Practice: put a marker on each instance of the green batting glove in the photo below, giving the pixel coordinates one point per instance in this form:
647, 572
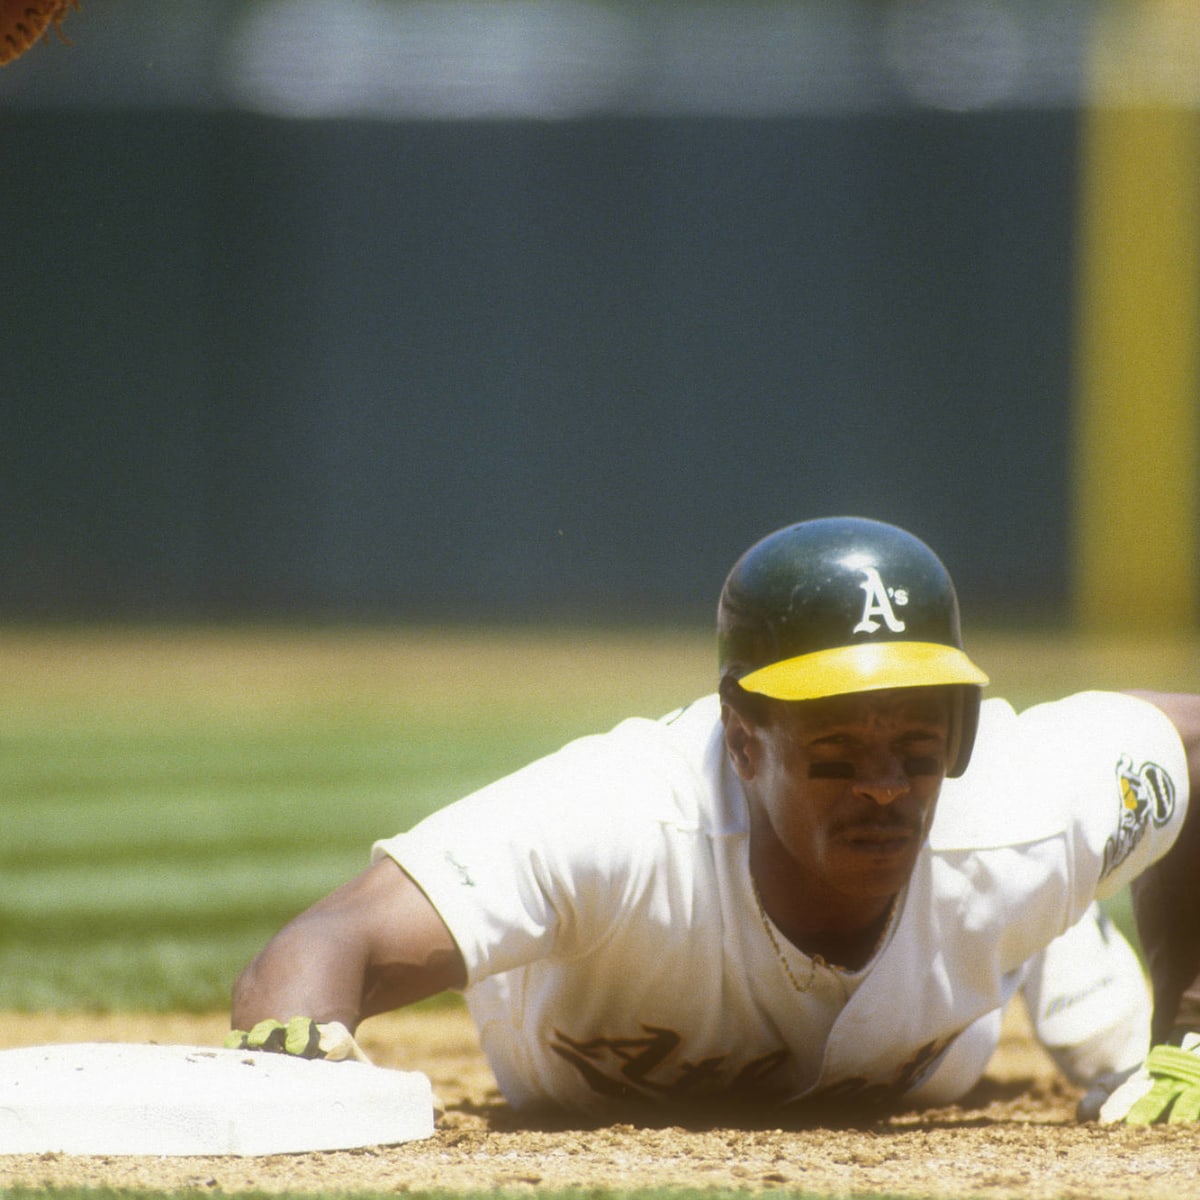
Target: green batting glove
1164, 1091
301, 1037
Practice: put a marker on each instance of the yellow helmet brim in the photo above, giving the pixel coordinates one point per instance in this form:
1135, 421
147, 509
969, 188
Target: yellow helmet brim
869, 667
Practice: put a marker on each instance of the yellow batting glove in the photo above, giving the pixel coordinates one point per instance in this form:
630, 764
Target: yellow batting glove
1164, 1091
301, 1037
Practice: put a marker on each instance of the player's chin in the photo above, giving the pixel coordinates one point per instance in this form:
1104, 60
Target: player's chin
882, 866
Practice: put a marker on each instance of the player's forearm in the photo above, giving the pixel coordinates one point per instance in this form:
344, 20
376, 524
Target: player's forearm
1166, 898
303, 971
374, 945
1166, 904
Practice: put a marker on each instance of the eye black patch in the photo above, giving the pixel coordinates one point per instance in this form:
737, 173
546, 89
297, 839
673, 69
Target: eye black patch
922, 764
831, 770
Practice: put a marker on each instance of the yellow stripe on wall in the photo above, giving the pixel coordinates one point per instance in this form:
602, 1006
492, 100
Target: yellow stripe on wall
1137, 418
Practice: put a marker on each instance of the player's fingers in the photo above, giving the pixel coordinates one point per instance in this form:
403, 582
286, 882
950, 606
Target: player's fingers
337, 1043
1116, 1107
1154, 1105
302, 1038
1165, 1089
267, 1035
1186, 1108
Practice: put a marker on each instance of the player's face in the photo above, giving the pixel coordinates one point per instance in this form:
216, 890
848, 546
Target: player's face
843, 790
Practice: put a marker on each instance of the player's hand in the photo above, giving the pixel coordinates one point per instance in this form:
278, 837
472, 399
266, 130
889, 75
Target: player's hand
1165, 1089
301, 1037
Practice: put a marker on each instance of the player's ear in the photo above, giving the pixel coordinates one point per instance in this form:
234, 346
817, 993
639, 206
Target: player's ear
741, 731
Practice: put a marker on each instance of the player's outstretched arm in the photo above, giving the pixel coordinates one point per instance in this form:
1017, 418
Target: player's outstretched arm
1166, 903
373, 945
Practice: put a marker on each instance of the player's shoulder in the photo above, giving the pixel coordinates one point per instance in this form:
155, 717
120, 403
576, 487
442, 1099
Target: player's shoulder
663, 768
680, 757
1026, 767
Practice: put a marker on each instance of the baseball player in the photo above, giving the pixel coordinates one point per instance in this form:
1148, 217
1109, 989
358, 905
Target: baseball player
818, 887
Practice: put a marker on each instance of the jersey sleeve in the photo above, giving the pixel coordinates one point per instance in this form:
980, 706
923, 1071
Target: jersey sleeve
1118, 764
534, 864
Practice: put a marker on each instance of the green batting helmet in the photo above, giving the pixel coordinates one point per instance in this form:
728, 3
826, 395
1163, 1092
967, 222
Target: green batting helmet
845, 604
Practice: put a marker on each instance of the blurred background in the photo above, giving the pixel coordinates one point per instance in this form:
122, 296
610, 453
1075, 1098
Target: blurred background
545, 309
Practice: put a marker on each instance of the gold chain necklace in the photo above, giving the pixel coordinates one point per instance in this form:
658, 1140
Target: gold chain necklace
817, 960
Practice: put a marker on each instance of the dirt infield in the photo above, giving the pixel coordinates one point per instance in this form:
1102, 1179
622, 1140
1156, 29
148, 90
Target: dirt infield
1016, 1138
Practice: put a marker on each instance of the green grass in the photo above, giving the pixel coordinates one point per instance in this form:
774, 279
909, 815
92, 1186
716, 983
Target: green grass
139, 867
170, 797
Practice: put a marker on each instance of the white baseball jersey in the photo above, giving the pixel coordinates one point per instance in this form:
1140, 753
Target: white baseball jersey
602, 901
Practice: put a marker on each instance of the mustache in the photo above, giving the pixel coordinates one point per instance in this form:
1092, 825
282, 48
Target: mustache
887, 822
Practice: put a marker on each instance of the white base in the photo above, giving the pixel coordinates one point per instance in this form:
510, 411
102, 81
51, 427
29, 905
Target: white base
110, 1098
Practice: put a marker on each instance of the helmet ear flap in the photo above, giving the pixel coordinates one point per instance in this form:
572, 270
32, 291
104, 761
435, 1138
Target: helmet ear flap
964, 725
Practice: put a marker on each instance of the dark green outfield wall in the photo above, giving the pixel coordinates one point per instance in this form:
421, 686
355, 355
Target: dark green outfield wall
252, 365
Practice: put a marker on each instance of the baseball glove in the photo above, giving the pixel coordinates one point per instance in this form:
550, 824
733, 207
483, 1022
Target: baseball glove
301, 1037
22, 23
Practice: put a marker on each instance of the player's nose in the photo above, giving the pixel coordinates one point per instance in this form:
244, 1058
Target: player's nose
882, 778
